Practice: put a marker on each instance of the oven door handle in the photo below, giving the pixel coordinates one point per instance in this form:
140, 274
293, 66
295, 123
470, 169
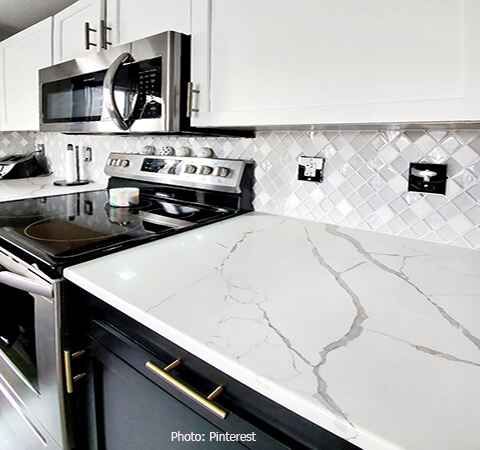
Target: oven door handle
109, 93
26, 284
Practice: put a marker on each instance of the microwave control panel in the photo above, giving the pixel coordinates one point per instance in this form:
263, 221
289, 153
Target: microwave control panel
150, 92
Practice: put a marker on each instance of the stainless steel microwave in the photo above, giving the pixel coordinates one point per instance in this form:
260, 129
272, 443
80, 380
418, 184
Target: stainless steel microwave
141, 87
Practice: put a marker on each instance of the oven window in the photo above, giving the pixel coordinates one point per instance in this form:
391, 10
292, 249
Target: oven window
77, 99
17, 331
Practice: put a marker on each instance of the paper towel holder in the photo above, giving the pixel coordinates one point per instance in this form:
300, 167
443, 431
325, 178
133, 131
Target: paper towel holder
72, 183
78, 181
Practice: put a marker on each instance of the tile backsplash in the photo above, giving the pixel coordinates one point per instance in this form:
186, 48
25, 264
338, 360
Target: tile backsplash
365, 182
16, 142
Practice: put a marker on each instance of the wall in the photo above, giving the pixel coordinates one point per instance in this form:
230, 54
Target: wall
365, 184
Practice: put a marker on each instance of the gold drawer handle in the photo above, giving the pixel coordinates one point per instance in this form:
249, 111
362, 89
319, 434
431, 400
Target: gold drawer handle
205, 402
69, 378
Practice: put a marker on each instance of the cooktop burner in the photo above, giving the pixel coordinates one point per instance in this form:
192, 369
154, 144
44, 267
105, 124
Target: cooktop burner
72, 226
176, 194
57, 229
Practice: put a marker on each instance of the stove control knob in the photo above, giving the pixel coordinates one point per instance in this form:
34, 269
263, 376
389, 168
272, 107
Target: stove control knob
190, 168
125, 163
206, 170
222, 172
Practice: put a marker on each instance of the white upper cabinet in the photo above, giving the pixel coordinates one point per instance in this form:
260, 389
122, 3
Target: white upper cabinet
71, 38
131, 20
335, 61
21, 56
2, 88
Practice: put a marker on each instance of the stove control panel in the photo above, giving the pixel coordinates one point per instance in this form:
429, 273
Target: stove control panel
205, 173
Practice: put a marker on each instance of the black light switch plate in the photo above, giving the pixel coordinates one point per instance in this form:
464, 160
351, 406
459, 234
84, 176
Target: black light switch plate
428, 178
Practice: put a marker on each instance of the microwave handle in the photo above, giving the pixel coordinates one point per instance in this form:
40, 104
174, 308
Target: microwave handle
25, 284
109, 92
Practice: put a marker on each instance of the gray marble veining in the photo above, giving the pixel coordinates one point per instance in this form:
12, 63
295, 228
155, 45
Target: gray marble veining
370, 336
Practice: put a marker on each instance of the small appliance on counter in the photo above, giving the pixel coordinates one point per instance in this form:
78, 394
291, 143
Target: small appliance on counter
21, 166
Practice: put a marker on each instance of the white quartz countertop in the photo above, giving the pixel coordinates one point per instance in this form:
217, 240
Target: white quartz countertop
373, 337
40, 187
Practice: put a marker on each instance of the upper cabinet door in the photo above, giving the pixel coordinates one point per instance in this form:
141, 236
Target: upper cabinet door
71, 38
22, 56
2, 86
335, 61
131, 20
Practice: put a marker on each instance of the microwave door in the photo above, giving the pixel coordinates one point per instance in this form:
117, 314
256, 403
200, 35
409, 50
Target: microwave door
120, 91
89, 100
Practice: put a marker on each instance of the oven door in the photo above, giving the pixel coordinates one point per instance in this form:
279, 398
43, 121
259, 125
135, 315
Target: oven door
30, 365
130, 88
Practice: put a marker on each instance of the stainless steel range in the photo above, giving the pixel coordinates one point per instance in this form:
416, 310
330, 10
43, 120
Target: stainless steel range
40, 237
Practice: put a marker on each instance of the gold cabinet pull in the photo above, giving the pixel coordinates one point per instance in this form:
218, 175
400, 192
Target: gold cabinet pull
69, 378
215, 393
205, 402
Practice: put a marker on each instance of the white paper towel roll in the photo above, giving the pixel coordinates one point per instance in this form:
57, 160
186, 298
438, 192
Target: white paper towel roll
71, 174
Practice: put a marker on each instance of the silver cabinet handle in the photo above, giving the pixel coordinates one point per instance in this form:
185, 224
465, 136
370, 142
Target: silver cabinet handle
104, 29
25, 284
88, 29
109, 93
190, 92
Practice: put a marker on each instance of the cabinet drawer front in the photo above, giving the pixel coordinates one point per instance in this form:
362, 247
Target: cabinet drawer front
141, 409
275, 427
17, 429
137, 414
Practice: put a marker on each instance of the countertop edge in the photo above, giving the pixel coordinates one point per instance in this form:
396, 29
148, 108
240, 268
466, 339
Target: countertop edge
38, 187
317, 415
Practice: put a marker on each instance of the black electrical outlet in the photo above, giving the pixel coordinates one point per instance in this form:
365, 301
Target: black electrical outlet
429, 178
310, 168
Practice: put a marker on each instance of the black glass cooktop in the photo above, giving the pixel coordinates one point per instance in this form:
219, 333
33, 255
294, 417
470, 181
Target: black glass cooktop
66, 229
